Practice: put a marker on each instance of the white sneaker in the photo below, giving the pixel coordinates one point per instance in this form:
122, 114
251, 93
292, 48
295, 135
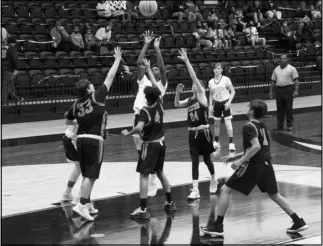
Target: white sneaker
195, 194
232, 147
140, 214
152, 188
91, 208
216, 145
67, 197
83, 211
213, 186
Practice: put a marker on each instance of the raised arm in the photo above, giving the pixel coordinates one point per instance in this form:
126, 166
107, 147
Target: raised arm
160, 61
150, 73
177, 102
148, 38
113, 70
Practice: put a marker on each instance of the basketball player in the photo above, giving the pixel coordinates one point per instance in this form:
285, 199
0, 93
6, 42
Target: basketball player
253, 168
200, 137
140, 101
151, 160
89, 111
221, 96
69, 143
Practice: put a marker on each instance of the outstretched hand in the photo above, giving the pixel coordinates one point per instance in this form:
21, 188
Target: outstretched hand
146, 62
180, 88
117, 53
148, 37
183, 54
157, 42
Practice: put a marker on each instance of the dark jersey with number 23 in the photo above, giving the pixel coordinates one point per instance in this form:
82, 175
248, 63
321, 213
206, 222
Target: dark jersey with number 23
253, 130
90, 112
197, 113
153, 117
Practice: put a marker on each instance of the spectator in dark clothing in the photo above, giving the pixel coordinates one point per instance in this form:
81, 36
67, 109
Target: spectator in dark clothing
60, 37
179, 9
9, 71
77, 42
306, 32
288, 37
254, 13
270, 10
132, 11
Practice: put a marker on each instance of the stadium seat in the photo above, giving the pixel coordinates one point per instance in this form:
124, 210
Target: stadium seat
49, 10
96, 77
34, 60
91, 59
122, 41
77, 59
43, 38
63, 59
167, 41
81, 72
22, 62
22, 10
166, 13
167, 56
130, 28
231, 54
49, 60
40, 26
12, 28
36, 10
134, 38
7, 10
130, 57
28, 46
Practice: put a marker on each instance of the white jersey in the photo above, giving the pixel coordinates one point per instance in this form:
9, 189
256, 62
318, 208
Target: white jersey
140, 100
71, 132
220, 88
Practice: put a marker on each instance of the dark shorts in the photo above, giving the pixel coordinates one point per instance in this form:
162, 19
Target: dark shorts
200, 142
218, 110
152, 158
258, 174
70, 151
90, 152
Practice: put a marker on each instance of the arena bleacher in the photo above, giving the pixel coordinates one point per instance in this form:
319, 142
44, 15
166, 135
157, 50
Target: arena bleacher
46, 80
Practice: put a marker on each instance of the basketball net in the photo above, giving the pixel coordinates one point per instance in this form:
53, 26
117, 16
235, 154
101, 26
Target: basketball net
116, 5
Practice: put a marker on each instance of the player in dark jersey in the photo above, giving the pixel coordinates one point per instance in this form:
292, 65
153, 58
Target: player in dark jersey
89, 111
200, 137
253, 167
151, 160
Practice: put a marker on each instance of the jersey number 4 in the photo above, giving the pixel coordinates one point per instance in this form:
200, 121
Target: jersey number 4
194, 116
263, 134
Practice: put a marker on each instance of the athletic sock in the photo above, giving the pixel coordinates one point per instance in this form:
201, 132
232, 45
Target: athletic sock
219, 219
216, 138
169, 197
230, 140
295, 217
84, 201
143, 204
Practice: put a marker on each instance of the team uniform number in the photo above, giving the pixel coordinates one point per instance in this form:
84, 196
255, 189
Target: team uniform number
194, 116
84, 108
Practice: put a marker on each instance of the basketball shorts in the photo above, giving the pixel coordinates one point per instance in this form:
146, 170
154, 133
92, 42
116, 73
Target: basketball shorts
70, 151
152, 158
219, 109
90, 151
200, 142
255, 173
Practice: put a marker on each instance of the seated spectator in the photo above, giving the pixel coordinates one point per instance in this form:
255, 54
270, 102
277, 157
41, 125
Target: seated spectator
60, 38
316, 11
306, 32
90, 42
4, 36
212, 17
231, 37
303, 10
253, 36
183, 9
254, 13
132, 11
222, 37
270, 10
213, 35
178, 10
200, 34
237, 20
288, 37
193, 11
77, 42
103, 36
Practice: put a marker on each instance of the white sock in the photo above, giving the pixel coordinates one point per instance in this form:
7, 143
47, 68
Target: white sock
68, 190
213, 177
195, 184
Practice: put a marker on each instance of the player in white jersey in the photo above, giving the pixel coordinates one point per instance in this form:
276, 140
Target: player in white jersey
69, 143
221, 96
159, 72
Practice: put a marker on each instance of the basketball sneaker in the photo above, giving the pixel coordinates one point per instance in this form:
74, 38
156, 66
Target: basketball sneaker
152, 188
91, 208
195, 194
213, 229
140, 214
170, 206
83, 211
232, 147
298, 226
213, 186
67, 197
216, 145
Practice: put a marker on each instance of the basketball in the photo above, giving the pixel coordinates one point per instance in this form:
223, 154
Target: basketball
148, 8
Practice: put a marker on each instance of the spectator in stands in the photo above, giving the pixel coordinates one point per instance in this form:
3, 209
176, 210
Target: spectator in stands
77, 42
253, 35
200, 34
4, 36
212, 17
90, 42
179, 8
303, 10
237, 20
132, 11
222, 37
103, 36
316, 11
306, 32
270, 10
193, 12
231, 37
60, 38
288, 37
254, 13
9, 71
183, 9
213, 34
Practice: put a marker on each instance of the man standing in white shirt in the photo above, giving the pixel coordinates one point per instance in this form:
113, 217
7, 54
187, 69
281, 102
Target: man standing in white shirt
140, 101
220, 98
